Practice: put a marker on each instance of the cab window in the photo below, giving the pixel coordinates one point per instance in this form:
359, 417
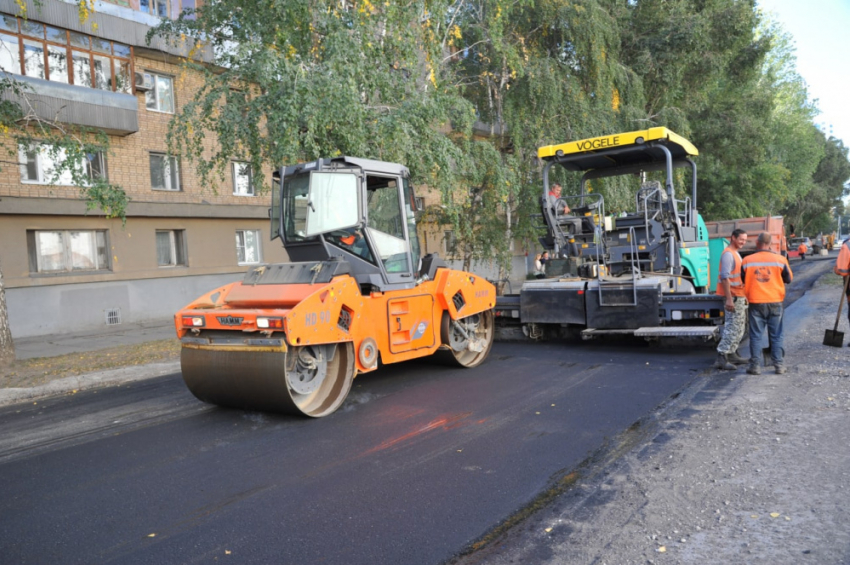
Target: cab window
386, 223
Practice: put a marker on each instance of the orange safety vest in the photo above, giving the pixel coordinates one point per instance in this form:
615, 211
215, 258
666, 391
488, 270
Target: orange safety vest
347, 239
842, 264
802, 249
783, 244
763, 277
735, 284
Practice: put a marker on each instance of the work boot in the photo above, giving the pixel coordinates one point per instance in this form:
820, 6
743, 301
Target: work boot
723, 363
753, 370
780, 369
736, 359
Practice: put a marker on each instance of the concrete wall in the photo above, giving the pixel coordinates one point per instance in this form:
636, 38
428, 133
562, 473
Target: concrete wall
58, 309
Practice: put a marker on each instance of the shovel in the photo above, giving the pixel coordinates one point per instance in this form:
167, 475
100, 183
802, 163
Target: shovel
833, 337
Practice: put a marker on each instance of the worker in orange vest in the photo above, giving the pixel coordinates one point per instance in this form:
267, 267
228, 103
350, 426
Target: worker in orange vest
783, 246
802, 249
842, 268
729, 284
765, 275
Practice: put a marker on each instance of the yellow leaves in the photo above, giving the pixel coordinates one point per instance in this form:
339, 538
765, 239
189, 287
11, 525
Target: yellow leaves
547, 530
85, 10
152, 535
433, 78
661, 549
774, 514
366, 7
615, 100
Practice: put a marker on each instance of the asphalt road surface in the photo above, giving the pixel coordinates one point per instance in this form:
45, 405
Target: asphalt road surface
420, 462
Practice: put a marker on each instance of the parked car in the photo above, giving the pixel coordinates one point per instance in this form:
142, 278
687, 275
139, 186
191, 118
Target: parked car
795, 242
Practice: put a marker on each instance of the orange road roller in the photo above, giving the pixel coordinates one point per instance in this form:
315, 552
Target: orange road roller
291, 337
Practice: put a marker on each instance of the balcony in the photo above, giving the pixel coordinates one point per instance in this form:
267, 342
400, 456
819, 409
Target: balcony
115, 113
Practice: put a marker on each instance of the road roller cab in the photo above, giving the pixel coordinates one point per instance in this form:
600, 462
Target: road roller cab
291, 337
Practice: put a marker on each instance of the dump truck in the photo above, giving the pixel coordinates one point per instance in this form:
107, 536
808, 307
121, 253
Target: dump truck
720, 231
644, 272
291, 337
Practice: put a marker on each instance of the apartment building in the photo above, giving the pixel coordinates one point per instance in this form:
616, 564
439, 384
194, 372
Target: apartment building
66, 269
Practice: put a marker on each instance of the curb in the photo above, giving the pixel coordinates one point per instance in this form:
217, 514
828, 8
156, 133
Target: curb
88, 381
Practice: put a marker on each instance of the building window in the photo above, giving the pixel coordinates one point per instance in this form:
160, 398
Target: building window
165, 172
248, 247
38, 165
170, 248
449, 242
160, 98
420, 203
154, 7
67, 251
243, 184
37, 50
189, 5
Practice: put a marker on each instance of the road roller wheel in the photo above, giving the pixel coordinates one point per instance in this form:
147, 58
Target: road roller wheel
310, 380
469, 339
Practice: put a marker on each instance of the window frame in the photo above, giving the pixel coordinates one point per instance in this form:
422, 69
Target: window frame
251, 192
70, 48
449, 242
153, 11
155, 93
43, 150
36, 257
177, 246
258, 234
173, 161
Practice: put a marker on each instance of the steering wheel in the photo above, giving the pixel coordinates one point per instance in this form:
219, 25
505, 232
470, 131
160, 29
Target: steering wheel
560, 204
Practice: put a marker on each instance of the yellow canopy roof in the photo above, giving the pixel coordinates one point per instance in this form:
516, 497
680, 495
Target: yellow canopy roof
615, 150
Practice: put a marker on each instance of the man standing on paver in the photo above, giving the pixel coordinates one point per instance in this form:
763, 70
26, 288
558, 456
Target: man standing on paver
729, 284
765, 275
842, 268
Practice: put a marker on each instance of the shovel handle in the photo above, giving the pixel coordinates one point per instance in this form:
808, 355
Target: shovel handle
841, 303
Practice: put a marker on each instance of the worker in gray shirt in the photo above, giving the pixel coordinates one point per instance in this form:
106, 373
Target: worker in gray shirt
730, 285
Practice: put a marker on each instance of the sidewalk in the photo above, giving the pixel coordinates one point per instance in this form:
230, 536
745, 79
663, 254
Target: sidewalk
92, 340
739, 469
122, 343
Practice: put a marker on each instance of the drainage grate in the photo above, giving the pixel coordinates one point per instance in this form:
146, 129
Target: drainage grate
113, 316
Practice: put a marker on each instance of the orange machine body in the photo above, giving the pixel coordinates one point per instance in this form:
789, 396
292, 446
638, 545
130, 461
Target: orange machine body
404, 324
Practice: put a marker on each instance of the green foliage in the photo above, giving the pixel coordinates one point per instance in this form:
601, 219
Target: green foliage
464, 92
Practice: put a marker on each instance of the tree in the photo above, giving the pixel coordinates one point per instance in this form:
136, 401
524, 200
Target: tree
465, 91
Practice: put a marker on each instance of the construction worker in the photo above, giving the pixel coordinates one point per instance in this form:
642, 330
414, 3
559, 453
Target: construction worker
554, 195
783, 246
729, 284
842, 268
802, 249
765, 275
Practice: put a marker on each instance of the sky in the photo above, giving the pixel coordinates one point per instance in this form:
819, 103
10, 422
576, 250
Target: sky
820, 29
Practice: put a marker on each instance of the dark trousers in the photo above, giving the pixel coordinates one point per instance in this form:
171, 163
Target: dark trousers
766, 318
